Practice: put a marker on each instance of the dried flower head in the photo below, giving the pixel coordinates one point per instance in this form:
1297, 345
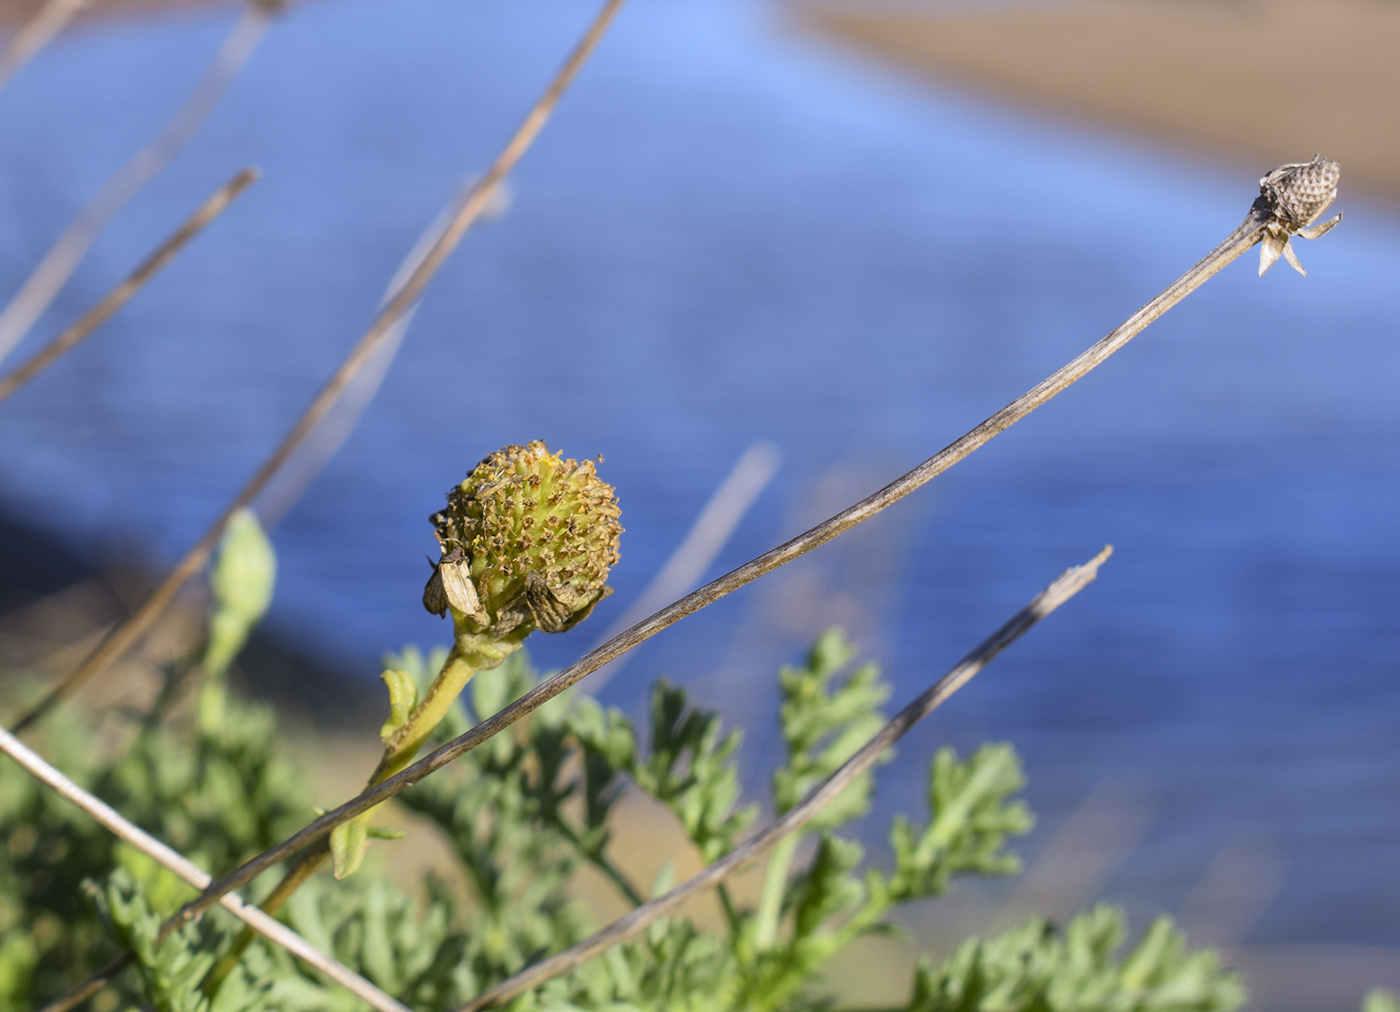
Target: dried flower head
1296, 195
527, 542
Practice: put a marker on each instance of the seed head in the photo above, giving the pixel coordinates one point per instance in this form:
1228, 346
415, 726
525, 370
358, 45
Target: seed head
1294, 196
527, 542
1301, 191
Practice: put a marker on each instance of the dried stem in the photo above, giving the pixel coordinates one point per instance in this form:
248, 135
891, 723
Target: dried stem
1239, 241
64, 256
35, 34
140, 621
260, 922
118, 297
1069, 584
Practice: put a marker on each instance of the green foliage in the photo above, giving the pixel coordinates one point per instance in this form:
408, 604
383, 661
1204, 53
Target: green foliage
218, 799
1378, 999
689, 766
823, 726
972, 819
523, 815
500, 808
1037, 967
170, 971
370, 925
46, 931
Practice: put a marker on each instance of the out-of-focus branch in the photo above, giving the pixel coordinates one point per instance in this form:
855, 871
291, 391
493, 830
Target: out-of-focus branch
62, 259
118, 297
335, 427
1070, 583
35, 34
478, 202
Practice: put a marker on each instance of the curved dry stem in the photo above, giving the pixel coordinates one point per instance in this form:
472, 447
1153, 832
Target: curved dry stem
1239, 241
119, 296
1071, 582
140, 621
62, 259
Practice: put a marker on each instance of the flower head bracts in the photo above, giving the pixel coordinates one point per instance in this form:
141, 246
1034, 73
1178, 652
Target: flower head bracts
527, 542
1296, 195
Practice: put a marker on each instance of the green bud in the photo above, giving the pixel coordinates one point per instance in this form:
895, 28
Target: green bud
527, 542
242, 580
243, 577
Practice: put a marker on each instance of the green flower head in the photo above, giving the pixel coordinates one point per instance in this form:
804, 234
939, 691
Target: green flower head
527, 542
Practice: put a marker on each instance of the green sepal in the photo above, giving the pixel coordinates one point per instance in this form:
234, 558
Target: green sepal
403, 697
349, 841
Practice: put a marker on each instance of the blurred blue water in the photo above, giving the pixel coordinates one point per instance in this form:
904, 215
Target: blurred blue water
730, 234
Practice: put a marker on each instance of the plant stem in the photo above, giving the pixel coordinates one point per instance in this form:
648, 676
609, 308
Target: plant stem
770, 904
309, 863
1071, 582
1249, 232
400, 749
469, 655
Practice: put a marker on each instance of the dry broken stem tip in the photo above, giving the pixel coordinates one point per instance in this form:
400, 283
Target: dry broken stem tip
1295, 196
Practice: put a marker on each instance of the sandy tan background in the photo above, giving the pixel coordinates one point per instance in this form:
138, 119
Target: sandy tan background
1265, 80
1259, 81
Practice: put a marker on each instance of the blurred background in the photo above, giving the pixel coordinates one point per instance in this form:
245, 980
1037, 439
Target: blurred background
818, 242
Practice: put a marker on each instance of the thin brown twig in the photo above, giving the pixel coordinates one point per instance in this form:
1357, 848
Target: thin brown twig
72, 999
112, 820
1071, 582
35, 34
62, 259
140, 621
1238, 242
119, 296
